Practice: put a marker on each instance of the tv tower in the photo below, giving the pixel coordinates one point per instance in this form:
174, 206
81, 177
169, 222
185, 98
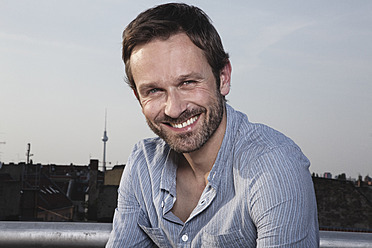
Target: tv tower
104, 139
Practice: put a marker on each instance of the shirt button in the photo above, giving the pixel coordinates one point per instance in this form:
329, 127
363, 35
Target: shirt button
185, 237
162, 204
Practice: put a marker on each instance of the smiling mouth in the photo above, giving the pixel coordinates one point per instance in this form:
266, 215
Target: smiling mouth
184, 124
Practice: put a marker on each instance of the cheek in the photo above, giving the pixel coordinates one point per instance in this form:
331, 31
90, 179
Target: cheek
150, 109
204, 95
147, 111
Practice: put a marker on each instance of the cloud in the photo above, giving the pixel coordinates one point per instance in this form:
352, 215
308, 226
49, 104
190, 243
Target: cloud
12, 38
270, 35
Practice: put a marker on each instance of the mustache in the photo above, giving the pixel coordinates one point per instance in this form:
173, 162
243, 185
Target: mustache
187, 114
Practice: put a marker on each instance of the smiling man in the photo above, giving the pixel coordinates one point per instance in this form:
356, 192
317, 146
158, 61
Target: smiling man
211, 178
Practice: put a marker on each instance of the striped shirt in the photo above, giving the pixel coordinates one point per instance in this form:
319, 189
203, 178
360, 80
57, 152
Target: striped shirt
259, 194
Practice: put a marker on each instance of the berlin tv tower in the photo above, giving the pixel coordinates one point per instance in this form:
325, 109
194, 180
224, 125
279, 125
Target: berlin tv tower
104, 139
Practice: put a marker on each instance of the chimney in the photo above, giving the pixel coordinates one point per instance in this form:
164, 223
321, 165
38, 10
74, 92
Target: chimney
93, 190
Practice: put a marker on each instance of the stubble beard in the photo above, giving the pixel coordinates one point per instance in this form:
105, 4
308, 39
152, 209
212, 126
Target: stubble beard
192, 141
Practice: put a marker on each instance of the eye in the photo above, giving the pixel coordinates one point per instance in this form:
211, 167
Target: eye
188, 83
153, 91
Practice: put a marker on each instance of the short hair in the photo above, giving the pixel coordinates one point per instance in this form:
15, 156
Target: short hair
166, 20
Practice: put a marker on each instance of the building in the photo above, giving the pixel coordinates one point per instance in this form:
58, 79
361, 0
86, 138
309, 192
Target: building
113, 177
327, 175
48, 192
52, 203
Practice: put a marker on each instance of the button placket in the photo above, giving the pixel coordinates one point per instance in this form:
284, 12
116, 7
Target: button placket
205, 197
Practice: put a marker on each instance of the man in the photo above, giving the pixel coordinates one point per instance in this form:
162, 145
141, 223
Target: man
211, 178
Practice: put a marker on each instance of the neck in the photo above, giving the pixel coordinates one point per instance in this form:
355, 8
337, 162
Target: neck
202, 160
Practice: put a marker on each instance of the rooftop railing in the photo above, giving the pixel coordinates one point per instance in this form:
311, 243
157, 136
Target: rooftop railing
81, 234
53, 234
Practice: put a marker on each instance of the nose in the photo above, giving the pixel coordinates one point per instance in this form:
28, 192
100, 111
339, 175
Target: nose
175, 105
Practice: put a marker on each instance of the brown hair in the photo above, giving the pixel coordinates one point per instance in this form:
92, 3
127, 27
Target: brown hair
165, 20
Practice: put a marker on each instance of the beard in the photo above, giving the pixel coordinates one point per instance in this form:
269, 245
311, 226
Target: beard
194, 140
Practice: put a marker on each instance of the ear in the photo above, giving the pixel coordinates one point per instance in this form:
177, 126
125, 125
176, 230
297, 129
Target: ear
225, 78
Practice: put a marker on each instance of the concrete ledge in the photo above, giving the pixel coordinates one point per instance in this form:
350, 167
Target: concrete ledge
81, 234
53, 234
345, 239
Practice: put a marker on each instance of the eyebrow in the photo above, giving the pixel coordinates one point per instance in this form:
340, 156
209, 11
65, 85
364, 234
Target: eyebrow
193, 75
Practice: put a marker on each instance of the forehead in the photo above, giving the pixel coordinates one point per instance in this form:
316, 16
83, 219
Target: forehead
175, 55
178, 40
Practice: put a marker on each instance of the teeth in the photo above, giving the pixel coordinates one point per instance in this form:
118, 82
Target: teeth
186, 123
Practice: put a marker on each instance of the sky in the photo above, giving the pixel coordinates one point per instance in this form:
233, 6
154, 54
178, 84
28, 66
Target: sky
301, 67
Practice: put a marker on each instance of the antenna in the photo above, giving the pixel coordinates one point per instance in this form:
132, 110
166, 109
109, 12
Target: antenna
28, 154
1, 143
104, 139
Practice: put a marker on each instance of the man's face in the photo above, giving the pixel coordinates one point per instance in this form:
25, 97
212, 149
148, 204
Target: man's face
177, 92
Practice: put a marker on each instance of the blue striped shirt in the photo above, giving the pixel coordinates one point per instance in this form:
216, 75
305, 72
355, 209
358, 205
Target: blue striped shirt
259, 194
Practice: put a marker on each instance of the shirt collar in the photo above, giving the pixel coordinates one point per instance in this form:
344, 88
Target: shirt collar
226, 149
168, 176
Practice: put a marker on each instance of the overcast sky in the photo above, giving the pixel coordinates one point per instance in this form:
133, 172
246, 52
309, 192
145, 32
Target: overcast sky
301, 67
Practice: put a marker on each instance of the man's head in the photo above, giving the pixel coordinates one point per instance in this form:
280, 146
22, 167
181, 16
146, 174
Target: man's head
178, 69
166, 20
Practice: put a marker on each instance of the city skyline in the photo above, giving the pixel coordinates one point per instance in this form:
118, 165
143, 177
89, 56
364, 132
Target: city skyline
302, 68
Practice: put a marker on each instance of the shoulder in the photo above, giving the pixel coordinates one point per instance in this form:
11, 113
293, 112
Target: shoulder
150, 146
148, 153
255, 139
260, 148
